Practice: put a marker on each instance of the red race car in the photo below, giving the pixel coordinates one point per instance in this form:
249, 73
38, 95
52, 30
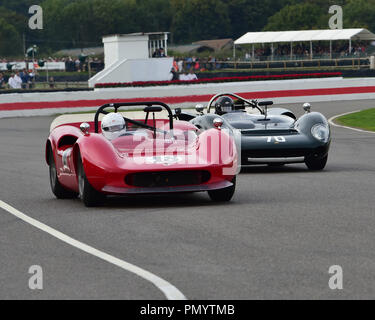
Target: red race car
121, 156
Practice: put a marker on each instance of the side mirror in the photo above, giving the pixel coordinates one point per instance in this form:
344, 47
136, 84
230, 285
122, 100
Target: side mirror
85, 128
265, 103
199, 108
307, 107
218, 123
177, 111
153, 109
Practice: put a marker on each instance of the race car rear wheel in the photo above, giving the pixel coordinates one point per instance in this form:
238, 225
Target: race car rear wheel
87, 193
58, 190
223, 195
316, 163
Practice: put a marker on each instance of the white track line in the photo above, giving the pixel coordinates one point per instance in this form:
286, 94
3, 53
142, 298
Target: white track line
170, 291
330, 120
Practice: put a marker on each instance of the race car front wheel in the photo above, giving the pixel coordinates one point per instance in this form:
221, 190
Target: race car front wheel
58, 190
87, 193
223, 195
316, 163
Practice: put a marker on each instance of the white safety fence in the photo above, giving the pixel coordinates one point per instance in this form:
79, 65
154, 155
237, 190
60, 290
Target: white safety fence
22, 65
282, 91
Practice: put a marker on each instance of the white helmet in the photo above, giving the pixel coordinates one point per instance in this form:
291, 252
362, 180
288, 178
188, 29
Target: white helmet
113, 125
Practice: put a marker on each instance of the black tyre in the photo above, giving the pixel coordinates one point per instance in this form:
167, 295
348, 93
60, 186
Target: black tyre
316, 163
223, 195
87, 193
58, 190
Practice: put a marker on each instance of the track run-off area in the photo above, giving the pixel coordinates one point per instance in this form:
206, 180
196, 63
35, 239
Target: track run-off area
276, 239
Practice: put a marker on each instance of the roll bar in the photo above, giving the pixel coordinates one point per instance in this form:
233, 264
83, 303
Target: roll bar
116, 106
252, 103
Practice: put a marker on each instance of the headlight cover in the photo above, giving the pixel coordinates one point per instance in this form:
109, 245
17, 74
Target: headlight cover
320, 132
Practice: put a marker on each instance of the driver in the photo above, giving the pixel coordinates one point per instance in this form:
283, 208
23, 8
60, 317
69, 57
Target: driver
223, 105
113, 126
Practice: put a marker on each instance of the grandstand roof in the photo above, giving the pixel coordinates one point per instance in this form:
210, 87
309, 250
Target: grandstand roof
216, 44
305, 35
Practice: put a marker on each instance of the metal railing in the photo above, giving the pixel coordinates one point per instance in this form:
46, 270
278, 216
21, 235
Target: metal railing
326, 63
60, 85
46, 86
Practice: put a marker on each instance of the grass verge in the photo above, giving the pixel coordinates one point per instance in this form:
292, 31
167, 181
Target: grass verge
364, 119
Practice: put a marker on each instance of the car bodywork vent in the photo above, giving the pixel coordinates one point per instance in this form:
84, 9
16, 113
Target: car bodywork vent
167, 178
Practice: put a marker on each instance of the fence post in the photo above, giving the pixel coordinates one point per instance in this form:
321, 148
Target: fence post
372, 62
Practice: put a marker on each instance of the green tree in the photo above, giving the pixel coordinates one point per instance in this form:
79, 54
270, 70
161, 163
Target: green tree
17, 20
153, 15
83, 23
180, 21
198, 20
19, 6
301, 16
11, 43
251, 15
53, 36
360, 14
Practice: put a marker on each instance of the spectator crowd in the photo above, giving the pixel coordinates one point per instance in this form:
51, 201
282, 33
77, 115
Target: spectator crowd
18, 80
71, 64
302, 51
25, 78
185, 68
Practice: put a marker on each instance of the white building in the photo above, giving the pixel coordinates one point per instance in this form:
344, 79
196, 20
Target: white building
131, 57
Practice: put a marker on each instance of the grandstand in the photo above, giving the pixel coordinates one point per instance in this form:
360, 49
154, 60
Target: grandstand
303, 36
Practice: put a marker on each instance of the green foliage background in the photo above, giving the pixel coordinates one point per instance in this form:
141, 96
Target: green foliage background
82, 23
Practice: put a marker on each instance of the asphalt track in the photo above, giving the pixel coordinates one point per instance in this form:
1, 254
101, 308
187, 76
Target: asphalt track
276, 240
